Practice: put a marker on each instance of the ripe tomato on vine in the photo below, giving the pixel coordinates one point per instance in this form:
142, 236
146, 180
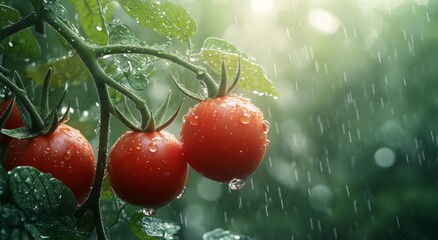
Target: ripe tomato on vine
147, 169
224, 138
64, 153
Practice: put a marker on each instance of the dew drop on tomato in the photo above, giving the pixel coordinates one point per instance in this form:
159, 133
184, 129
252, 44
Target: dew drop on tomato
194, 121
152, 147
236, 184
149, 211
245, 118
67, 155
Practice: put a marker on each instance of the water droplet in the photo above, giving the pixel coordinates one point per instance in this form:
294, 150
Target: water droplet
245, 118
194, 120
149, 211
266, 126
47, 151
152, 147
67, 155
236, 184
181, 193
267, 143
99, 28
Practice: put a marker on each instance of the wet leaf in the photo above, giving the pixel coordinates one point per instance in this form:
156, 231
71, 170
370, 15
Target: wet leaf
40, 195
65, 70
150, 228
135, 68
92, 20
221, 234
166, 18
22, 45
252, 78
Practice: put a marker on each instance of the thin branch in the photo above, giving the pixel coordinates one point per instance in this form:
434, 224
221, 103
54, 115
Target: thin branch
24, 23
201, 73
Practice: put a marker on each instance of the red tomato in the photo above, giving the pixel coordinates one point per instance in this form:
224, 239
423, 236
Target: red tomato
14, 120
147, 169
224, 138
64, 153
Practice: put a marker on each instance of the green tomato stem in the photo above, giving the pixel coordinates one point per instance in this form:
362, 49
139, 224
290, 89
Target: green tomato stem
37, 121
16, 27
201, 73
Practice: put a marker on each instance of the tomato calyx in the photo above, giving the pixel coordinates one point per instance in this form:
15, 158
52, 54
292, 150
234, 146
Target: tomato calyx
221, 90
149, 122
38, 120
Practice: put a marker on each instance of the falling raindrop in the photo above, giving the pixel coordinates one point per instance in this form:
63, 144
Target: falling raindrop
266, 126
236, 184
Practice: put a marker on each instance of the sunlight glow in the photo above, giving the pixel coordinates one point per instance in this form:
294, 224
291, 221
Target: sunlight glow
262, 6
323, 21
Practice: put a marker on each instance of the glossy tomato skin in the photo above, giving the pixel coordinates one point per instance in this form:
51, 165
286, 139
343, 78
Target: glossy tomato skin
64, 153
146, 169
224, 138
14, 120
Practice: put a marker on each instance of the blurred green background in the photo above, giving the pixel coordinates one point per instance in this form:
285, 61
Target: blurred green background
353, 140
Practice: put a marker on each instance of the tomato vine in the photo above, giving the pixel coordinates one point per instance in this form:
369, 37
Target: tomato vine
43, 121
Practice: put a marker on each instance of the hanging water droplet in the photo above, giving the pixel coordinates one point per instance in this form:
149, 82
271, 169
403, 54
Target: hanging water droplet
267, 143
181, 193
194, 120
149, 211
266, 126
152, 147
236, 184
67, 155
245, 118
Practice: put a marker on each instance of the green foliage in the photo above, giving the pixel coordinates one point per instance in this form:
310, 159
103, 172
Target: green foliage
37, 204
153, 227
22, 45
135, 68
252, 78
93, 19
166, 18
66, 70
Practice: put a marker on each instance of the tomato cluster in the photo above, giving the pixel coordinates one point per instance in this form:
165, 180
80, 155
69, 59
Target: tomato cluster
222, 138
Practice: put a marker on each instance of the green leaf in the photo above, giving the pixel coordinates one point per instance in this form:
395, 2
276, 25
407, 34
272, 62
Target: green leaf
107, 192
53, 230
91, 20
11, 217
166, 18
22, 45
65, 70
252, 78
135, 68
40, 195
220, 233
149, 228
